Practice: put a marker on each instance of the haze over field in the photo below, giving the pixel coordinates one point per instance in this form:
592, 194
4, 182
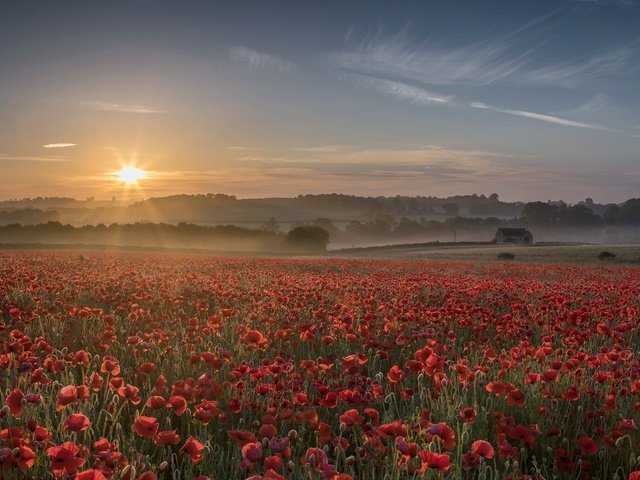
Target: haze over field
139, 98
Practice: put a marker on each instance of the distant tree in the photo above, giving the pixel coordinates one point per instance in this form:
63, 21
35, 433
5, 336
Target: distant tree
611, 215
540, 213
398, 207
413, 206
408, 227
270, 225
494, 197
326, 224
630, 211
578, 214
308, 238
451, 209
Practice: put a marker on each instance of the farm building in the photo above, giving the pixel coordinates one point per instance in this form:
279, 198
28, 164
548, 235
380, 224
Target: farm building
520, 236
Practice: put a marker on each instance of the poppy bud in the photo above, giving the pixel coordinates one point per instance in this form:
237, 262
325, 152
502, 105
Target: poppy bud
290, 465
163, 466
128, 473
16, 452
292, 435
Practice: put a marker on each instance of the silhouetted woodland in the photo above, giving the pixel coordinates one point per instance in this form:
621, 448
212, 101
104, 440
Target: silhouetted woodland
312, 221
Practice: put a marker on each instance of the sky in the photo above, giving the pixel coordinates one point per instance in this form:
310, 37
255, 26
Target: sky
533, 100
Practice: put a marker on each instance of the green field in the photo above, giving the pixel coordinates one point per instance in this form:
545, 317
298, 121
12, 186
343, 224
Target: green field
551, 253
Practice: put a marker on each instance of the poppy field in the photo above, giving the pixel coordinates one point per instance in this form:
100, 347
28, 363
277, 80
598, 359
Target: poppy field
154, 366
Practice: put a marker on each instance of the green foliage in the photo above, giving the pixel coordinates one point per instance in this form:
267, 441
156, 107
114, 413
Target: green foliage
506, 256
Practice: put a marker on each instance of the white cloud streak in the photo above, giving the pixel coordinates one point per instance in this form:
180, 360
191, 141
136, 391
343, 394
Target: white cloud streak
401, 90
420, 96
509, 60
256, 60
28, 158
539, 116
124, 108
59, 145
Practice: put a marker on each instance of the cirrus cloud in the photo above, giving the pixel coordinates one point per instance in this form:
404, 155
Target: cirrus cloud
59, 145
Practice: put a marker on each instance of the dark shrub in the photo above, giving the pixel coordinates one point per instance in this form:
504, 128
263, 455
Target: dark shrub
605, 255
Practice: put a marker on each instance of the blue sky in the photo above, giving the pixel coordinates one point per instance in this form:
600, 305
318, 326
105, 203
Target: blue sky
534, 100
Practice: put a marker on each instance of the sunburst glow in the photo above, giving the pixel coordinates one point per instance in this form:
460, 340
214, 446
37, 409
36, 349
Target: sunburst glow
131, 175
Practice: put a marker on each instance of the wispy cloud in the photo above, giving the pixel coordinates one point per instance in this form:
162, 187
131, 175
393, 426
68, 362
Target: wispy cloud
28, 158
595, 104
420, 96
59, 145
119, 107
256, 60
401, 90
619, 3
570, 74
324, 149
332, 155
240, 148
538, 116
505, 60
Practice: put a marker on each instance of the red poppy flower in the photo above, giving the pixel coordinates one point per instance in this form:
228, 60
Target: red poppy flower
178, 404
110, 365
95, 382
148, 367
314, 457
515, 397
497, 388
252, 451
395, 374
273, 462
148, 476
130, 393
146, 427
67, 395
444, 433
90, 475
23, 457
254, 338
437, 461
168, 437
155, 402
468, 415
564, 460
483, 449
76, 422
64, 458
81, 357
14, 402
588, 446
350, 418
406, 448
193, 448
241, 437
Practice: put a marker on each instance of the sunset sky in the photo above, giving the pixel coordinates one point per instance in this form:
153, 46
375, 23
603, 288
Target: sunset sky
534, 100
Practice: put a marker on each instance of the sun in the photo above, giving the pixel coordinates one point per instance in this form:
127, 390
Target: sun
130, 175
